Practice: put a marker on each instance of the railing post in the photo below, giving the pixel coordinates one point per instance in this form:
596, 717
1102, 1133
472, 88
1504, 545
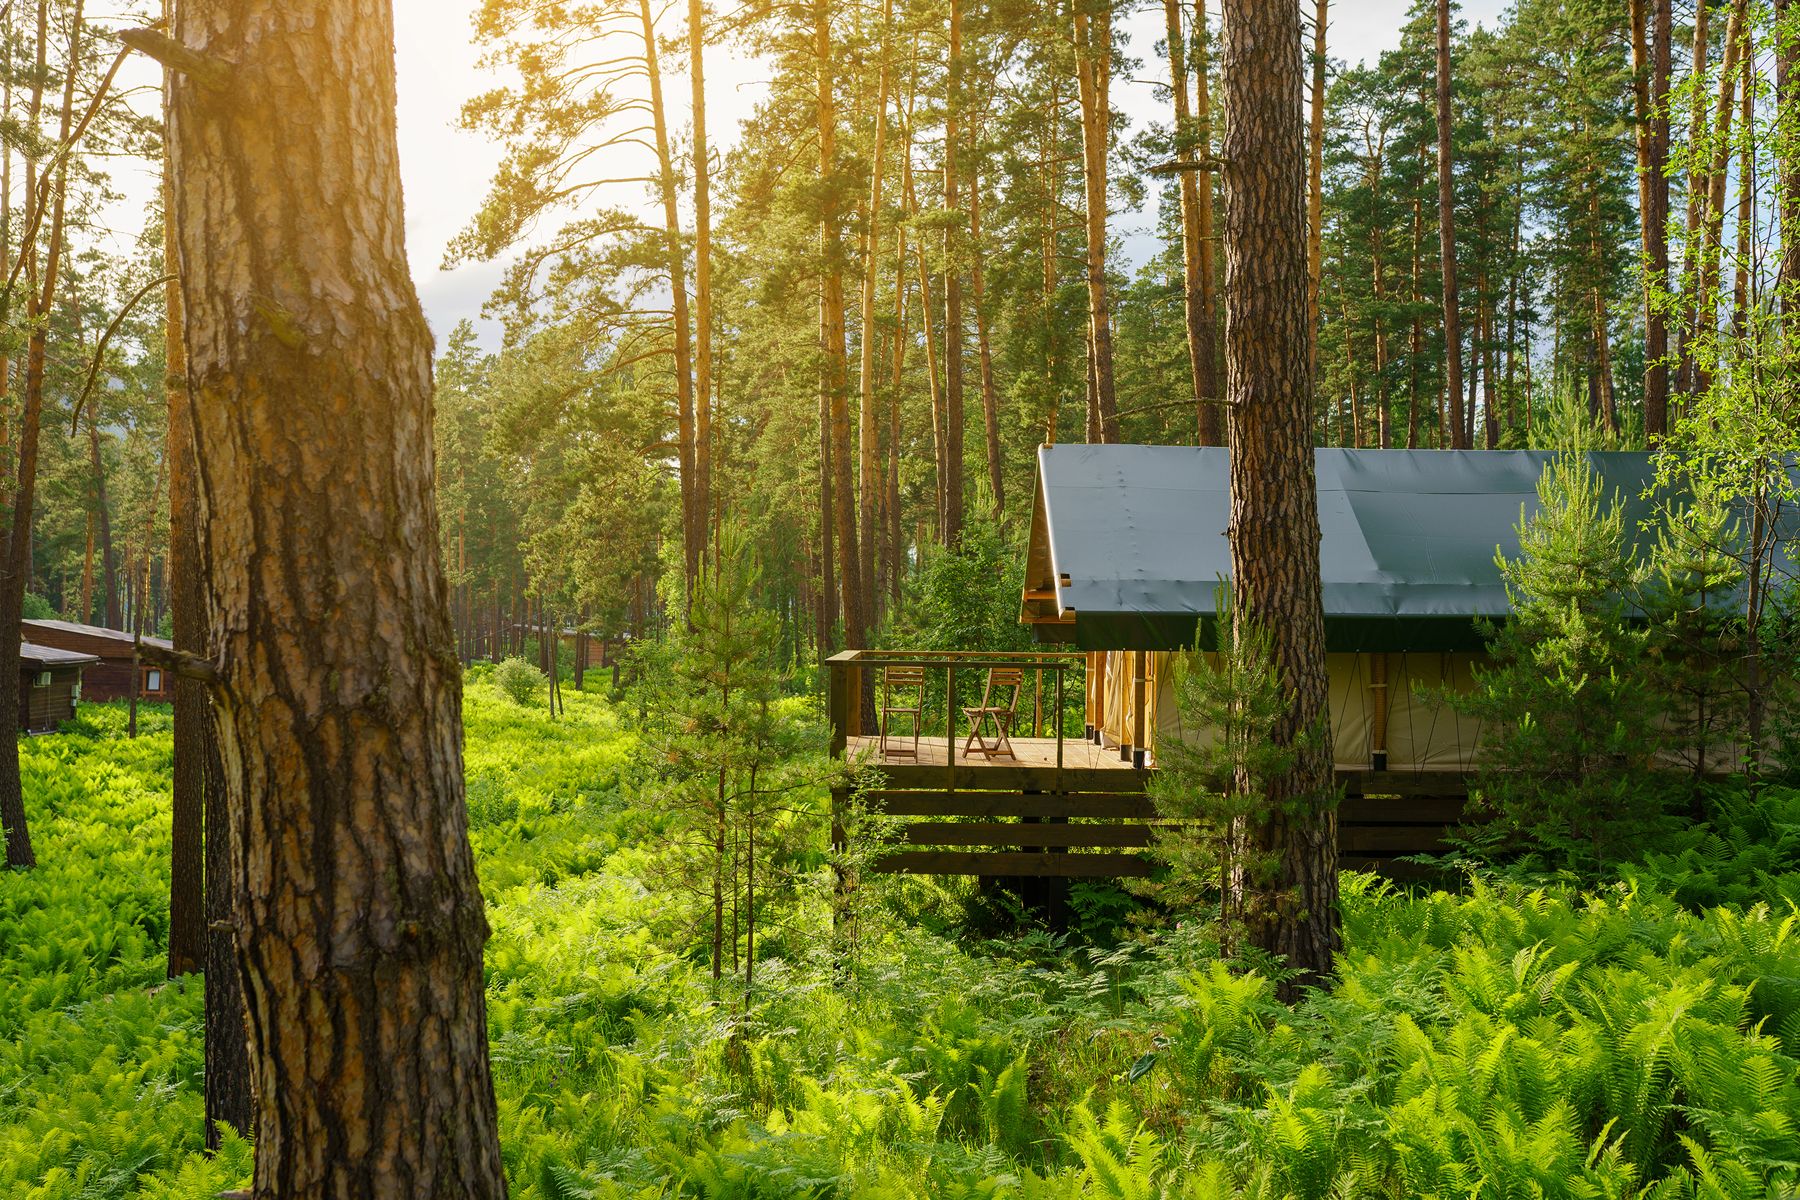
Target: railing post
950, 721
1140, 734
853, 688
839, 703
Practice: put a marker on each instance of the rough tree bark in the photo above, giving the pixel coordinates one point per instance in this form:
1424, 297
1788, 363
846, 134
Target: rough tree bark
1447, 230
1274, 531
335, 682
187, 601
198, 770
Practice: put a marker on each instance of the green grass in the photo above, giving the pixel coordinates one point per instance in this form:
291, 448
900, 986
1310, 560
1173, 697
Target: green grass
1501, 1042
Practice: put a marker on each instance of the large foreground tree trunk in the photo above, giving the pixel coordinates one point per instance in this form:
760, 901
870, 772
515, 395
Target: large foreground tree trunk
1291, 875
360, 930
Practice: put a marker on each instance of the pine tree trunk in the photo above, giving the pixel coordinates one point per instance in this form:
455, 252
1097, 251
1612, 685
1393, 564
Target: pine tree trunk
109, 571
1416, 345
836, 355
15, 563
693, 521
1212, 414
895, 535
1274, 531
703, 288
939, 443
1746, 185
1787, 165
360, 923
868, 403
984, 351
1050, 200
954, 249
87, 569
1384, 431
1712, 238
1093, 70
187, 871
1650, 62
1447, 231
1315, 175
1190, 197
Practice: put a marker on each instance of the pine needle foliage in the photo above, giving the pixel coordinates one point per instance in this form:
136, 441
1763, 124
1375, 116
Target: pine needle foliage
1570, 714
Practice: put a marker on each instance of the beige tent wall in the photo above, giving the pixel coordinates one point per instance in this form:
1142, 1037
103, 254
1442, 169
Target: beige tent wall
1422, 732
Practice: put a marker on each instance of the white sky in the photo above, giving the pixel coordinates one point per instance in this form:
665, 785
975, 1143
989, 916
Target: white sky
447, 170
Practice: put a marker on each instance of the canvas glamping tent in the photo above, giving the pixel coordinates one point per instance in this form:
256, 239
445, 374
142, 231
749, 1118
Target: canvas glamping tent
1128, 554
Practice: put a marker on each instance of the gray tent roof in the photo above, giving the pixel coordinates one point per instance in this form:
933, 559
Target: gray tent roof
1129, 547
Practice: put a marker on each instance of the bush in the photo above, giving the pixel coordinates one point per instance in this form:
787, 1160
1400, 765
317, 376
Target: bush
1571, 705
519, 680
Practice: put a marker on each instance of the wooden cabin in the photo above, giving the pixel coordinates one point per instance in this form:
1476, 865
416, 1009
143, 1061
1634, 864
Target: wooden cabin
1128, 556
49, 686
111, 677
1127, 563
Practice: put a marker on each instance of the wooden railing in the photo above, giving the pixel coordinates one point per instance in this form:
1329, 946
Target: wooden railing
1079, 813
855, 692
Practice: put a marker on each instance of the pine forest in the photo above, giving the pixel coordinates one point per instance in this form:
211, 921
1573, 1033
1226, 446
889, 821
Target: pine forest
992, 599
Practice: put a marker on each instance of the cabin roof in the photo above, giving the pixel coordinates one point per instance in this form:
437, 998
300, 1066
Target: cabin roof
117, 636
1128, 546
33, 657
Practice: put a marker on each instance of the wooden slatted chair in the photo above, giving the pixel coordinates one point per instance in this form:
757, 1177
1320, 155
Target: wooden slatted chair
902, 680
991, 721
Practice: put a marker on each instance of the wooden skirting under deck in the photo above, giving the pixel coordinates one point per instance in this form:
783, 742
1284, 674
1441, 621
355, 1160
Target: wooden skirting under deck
1012, 819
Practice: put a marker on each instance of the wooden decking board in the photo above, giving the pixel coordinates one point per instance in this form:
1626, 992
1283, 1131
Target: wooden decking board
1118, 806
1009, 833
1065, 866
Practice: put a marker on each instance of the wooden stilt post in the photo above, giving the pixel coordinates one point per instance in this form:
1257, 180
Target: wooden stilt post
1378, 699
1139, 749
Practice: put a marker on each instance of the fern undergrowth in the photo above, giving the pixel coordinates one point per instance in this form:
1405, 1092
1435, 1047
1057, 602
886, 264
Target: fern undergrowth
1639, 1039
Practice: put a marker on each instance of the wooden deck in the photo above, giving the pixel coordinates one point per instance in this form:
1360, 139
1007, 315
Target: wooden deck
1080, 810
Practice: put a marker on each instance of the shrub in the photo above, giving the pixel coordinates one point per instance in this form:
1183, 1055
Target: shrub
1571, 705
519, 680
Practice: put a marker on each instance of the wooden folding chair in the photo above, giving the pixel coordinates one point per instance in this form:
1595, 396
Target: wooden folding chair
901, 680
991, 721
